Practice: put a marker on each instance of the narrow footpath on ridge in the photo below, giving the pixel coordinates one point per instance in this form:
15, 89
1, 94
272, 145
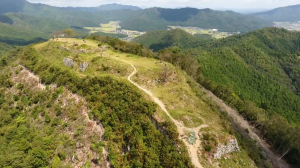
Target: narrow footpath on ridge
193, 149
239, 120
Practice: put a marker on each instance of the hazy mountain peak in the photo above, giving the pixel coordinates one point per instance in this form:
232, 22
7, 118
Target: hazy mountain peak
282, 14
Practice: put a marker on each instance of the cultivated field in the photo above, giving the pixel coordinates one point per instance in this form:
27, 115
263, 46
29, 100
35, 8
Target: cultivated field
195, 30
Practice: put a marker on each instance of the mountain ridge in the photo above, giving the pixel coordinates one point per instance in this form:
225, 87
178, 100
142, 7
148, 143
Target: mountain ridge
161, 18
282, 14
74, 18
257, 73
142, 19
105, 7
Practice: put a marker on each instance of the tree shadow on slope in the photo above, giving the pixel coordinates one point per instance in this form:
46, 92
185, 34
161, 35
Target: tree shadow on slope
21, 42
5, 19
181, 15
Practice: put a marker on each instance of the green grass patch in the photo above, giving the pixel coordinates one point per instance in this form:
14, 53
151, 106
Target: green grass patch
189, 118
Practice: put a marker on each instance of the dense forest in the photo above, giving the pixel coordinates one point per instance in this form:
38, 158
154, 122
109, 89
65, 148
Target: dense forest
160, 39
31, 134
257, 73
124, 113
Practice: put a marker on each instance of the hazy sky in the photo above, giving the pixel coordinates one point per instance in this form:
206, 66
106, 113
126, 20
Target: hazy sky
214, 4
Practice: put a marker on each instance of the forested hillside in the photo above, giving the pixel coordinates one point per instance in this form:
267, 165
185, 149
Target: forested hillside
104, 102
160, 39
271, 52
4, 48
69, 118
73, 18
160, 18
263, 67
258, 74
50, 129
20, 29
282, 14
37, 129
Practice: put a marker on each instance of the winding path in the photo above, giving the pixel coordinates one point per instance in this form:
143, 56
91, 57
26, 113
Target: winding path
193, 149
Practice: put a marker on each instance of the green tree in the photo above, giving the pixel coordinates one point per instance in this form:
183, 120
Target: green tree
69, 32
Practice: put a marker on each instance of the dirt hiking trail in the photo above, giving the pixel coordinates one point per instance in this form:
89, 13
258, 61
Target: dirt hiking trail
193, 149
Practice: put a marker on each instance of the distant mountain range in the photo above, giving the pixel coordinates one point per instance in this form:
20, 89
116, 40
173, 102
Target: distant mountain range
134, 18
73, 18
32, 19
106, 7
161, 18
283, 14
20, 29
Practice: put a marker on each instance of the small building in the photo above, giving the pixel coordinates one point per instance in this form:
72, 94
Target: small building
214, 31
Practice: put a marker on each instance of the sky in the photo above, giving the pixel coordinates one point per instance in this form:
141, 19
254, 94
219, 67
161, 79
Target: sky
213, 4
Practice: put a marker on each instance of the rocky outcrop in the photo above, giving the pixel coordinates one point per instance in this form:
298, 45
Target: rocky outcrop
83, 66
225, 149
68, 62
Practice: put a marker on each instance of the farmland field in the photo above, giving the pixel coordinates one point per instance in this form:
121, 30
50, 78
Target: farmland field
111, 28
196, 30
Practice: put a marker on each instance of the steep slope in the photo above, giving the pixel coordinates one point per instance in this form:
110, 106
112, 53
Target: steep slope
124, 113
5, 48
73, 18
272, 52
173, 96
258, 74
283, 14
136, 133
106, 7
45, 125
20, 29
160, 18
